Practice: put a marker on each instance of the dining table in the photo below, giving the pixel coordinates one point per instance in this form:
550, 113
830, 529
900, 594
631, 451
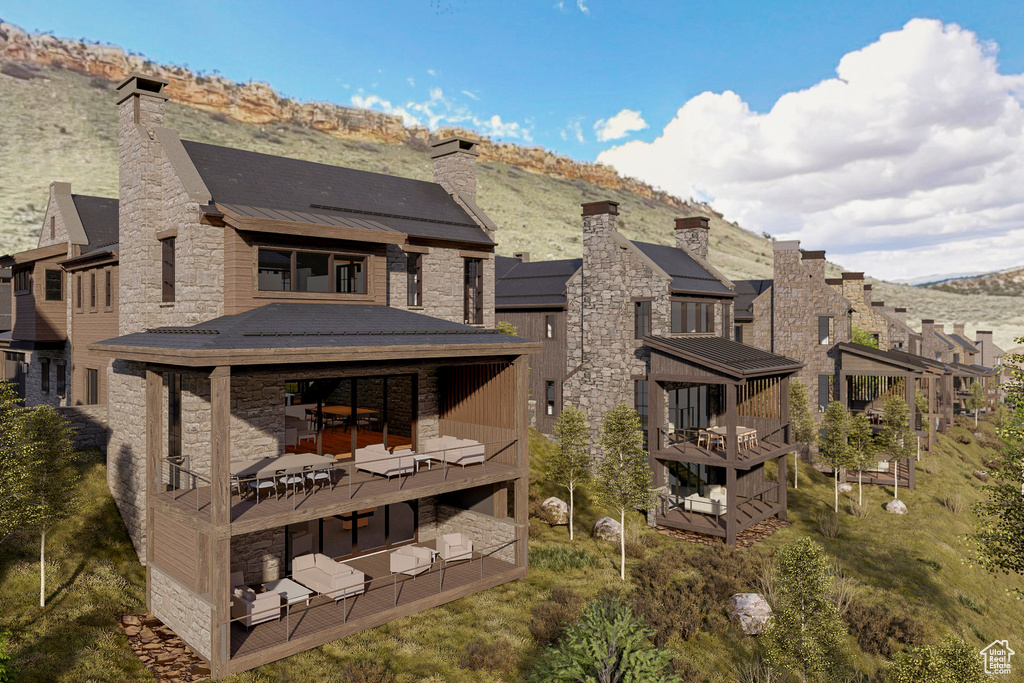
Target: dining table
290, 463
744, 435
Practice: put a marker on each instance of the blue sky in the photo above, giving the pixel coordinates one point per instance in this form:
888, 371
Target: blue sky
645, 86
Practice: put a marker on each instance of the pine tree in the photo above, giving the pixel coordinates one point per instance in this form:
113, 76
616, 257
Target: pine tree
806, 633
623, 475
803, 428
834, 443
569, 463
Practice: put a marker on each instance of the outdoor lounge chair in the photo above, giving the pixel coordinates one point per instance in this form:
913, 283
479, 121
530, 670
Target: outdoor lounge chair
455, 547
411, 560
453, 450
256, 608
320, 573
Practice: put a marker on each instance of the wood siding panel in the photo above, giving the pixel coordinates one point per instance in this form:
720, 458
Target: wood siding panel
175, 549
665, 367
478, 402
35, 318
547, 365
89, 326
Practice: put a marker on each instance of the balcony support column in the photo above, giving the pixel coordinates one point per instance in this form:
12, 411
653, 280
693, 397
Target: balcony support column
731, 420
731, 500
220, 503
655, 424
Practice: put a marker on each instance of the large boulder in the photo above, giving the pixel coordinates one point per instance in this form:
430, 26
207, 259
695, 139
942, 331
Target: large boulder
607, 529
751, 611
554, 511
845, 487
896, 507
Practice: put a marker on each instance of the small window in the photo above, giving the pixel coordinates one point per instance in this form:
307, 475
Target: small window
167, 277
44, 375
956, 357
643, 319
53, 228
78, 291
473, 299
92, 386
824, 391
824, 323
92, 290
550, 397
62, 380
692, 317
640, 401
22, 281
549, 327
274, 270
414, 272
54, 285
737, 333
107, 289
350, 275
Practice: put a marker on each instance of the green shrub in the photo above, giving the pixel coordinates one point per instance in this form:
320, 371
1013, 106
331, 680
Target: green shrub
828, 523
879, 629
552, 616
7, 670
608, 644
954, 661
364, 671
561, 558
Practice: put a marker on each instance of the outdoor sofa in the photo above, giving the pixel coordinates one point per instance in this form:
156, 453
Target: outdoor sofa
320, 573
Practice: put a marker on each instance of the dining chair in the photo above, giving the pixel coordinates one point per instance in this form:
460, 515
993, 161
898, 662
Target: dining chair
266, 484
295, 479
318, 477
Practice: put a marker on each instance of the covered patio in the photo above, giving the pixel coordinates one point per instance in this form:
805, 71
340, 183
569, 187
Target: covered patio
718, 411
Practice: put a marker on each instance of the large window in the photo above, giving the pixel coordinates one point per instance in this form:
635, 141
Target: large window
689, 407
54, 285
474, 290
167, 272
643, 319
693, 317
309, 271
824, 391
23, 280
686, 479
174, 429
640, 401
354, 533
414, 272
62, 385
92, 386
824, 325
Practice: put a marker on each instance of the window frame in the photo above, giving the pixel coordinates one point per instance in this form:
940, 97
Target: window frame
92, 386
92, 291
168, 269
48, 276
44, 375
414, 280
62, 378
549, 326
826, 339
679, 315
21, 281
824, 398
641, 404
108, 299
473, 291
335, 258
643, 320
78, 291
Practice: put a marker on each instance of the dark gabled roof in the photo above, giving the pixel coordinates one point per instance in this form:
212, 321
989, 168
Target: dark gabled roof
534, 284
964, 342
262, 181
892, 356
307, 326
724, 355
688, 276
970, 369
983, 370
746, 292
99, 218
942, 337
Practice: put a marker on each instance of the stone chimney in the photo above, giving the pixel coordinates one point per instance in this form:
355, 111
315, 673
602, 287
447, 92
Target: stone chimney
853, 288
692, 234
599, 220
984, 336
523, 256
140, 110
901, 314
814, 261
958, 328
455, 166
867, 294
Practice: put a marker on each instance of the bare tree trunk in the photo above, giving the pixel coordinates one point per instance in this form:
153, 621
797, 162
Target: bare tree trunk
42, 569
837, 489
896, 479
570, 510
975, 417
796, 469
860, 487
622, 544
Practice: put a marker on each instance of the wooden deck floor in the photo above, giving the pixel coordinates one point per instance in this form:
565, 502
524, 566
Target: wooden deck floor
338, 441
386, 592
748, 513
690, 452
355, 487
883, 478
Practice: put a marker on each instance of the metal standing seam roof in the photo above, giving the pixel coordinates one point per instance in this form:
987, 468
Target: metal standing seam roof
299, 326
99, 216
531, 284
724, 355
891, 356
687, 275
305, 191
746, 292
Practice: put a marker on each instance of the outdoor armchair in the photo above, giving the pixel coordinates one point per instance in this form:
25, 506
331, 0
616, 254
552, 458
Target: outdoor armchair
454, 547
410, 560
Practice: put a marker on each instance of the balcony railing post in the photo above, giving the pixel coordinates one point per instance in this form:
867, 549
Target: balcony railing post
287, 621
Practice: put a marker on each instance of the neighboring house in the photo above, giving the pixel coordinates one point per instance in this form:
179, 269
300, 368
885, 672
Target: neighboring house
992, 356
41, 356
651, 326
5, 300
303, 382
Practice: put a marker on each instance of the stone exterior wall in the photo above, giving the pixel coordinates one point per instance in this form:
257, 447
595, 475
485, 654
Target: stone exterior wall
443, 284
34, 395
90, 423
259, 555
456, 172
801, 295
188, 614
486, 531
694, 240
126, 453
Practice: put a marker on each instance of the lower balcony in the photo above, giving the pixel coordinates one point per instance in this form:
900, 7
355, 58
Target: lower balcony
706, 511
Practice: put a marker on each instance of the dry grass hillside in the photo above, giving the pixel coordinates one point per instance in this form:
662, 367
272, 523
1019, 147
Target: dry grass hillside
60, 125
1002, 283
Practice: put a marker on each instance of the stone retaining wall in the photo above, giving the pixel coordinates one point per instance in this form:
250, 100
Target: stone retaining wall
188, 614
90, 423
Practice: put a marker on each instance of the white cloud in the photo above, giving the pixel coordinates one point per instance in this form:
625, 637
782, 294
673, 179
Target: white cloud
582, 5
431, 72
619, 126
573, 129
471, 95
411, 81
440, 110
909, 162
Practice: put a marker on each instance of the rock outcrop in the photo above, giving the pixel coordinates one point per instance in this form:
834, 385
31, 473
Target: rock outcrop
751, 611
896, 507
258, 103
608, 529
555, 511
